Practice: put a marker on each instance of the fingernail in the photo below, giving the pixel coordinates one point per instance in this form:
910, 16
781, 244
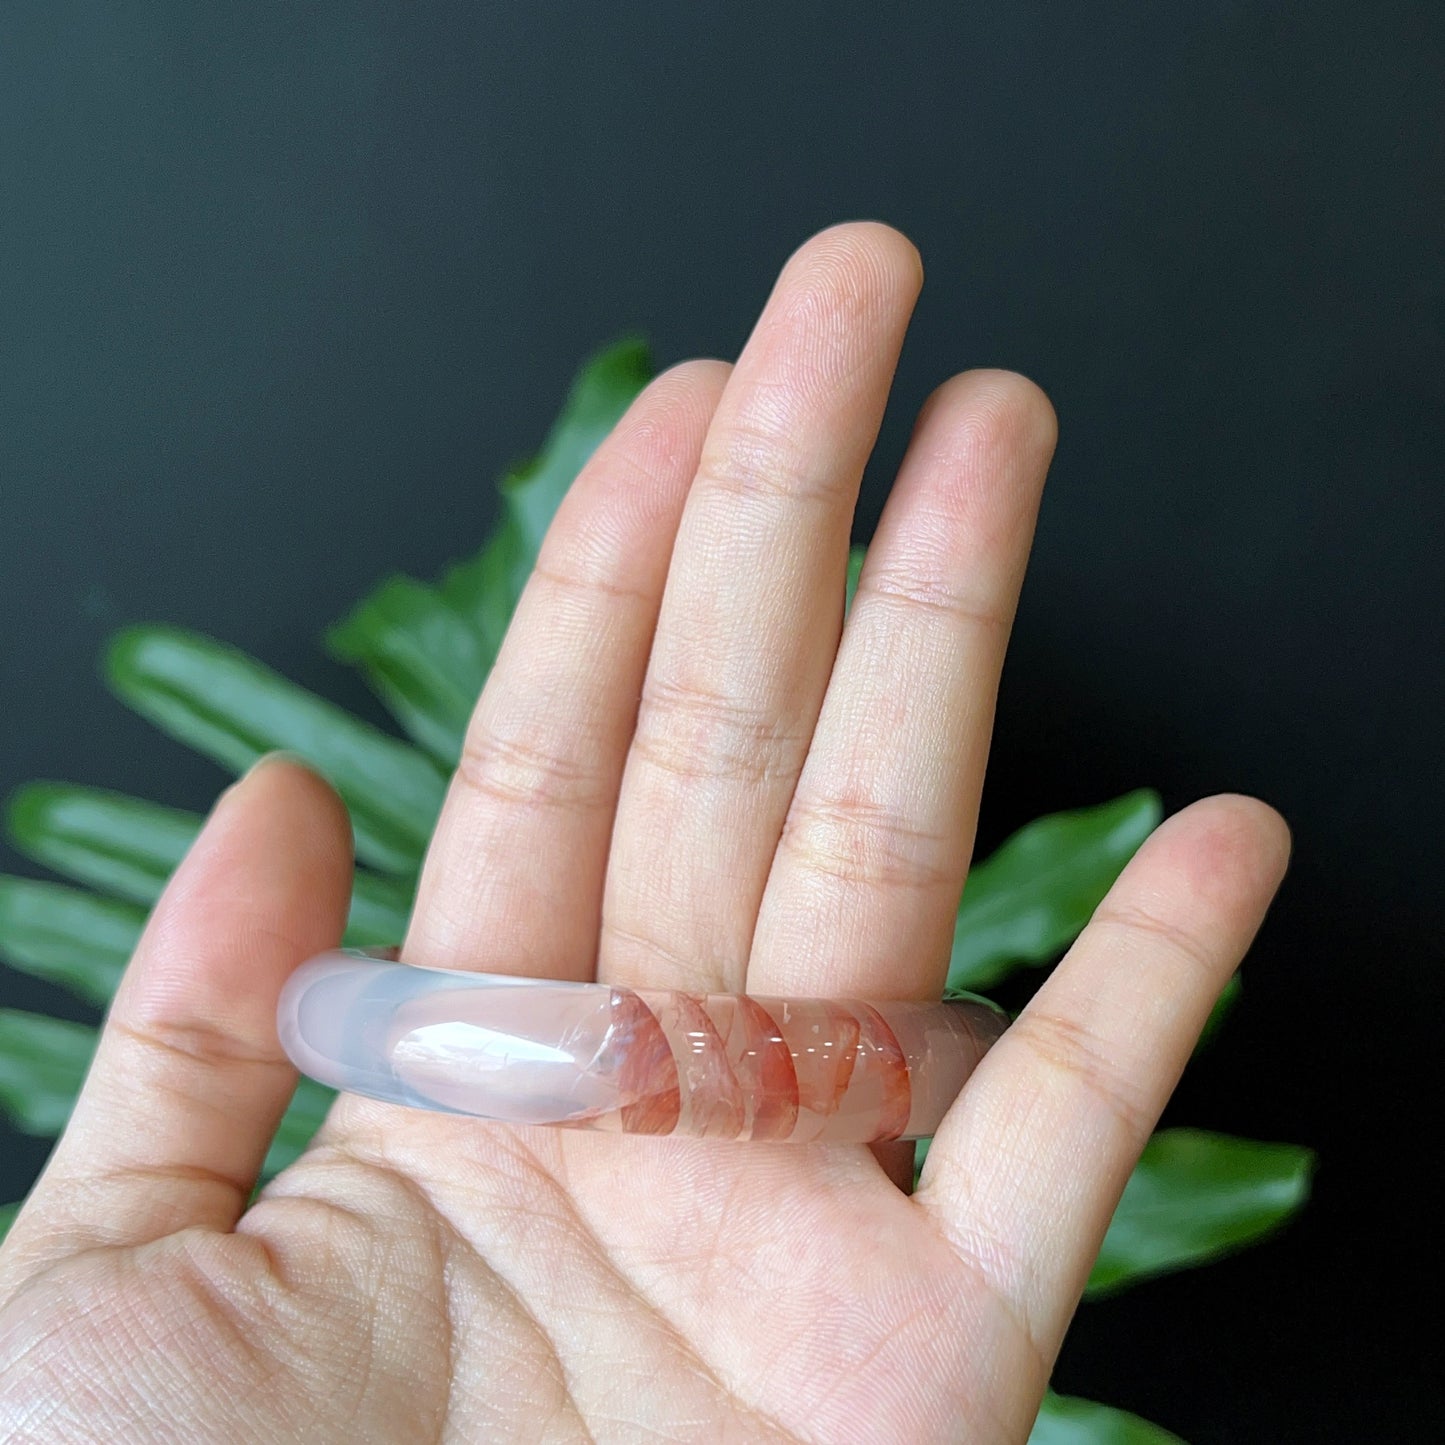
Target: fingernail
279, 755
266, 760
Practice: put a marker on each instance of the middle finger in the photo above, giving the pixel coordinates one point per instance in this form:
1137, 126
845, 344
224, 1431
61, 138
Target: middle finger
751, 615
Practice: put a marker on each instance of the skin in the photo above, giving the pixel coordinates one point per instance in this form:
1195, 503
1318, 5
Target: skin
683, 772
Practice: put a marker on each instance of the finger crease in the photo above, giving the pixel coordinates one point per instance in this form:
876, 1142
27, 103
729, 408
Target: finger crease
1073, 1050
514, 772
593, 586
865, 843
1136, 920
196, 1043
918, 599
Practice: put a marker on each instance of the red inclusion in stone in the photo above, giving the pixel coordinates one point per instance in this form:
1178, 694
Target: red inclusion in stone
887, 1059
646, 1070
775, 1082
715, 1099
822, 1036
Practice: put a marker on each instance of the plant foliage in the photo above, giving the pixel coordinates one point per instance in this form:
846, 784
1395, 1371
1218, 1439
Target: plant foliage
426, 649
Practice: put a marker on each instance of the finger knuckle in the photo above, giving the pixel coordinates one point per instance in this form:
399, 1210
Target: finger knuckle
519, 771
699, 734
1073, 1050
858, 840
912, 591
189, 1044
755, 459
1157, 932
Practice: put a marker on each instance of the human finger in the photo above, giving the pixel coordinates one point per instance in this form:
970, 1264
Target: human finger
189, 1081
1029, 1165
864, 888
751, 614
513, 878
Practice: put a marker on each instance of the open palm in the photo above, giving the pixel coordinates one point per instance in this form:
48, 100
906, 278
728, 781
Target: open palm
677, 776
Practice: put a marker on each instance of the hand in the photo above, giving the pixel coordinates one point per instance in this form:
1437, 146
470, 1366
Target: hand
780, 812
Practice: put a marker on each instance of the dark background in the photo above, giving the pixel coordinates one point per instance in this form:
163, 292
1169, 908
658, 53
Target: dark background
283, 286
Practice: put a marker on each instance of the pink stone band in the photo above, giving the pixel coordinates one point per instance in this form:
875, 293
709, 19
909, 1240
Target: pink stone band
643, 1061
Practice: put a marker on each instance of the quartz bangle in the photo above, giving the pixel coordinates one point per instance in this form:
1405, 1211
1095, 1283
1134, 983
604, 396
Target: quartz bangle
631, 1061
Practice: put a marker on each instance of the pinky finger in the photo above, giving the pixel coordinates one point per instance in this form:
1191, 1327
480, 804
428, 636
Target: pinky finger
1028, 1167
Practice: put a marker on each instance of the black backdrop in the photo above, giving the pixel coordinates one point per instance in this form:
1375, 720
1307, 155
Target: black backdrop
283, 285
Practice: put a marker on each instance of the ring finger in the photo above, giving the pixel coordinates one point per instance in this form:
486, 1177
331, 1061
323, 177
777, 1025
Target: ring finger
865, 885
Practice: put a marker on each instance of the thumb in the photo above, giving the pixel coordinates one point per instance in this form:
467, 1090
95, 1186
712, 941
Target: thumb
189, 1081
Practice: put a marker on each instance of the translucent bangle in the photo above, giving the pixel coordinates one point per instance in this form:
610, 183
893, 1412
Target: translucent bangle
643, 1061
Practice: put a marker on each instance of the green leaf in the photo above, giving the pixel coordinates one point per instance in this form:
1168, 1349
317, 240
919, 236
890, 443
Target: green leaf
42, 1066
427, 650
855, 571
299, 1123
67, 937
606, 386
121, 845
920, 1158
130, 847
1223, 1007
422, 656
482, 589
380, 908
486, 588
1032, 897
231, 708
7, 1217
1067, 1420
1195, 1196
